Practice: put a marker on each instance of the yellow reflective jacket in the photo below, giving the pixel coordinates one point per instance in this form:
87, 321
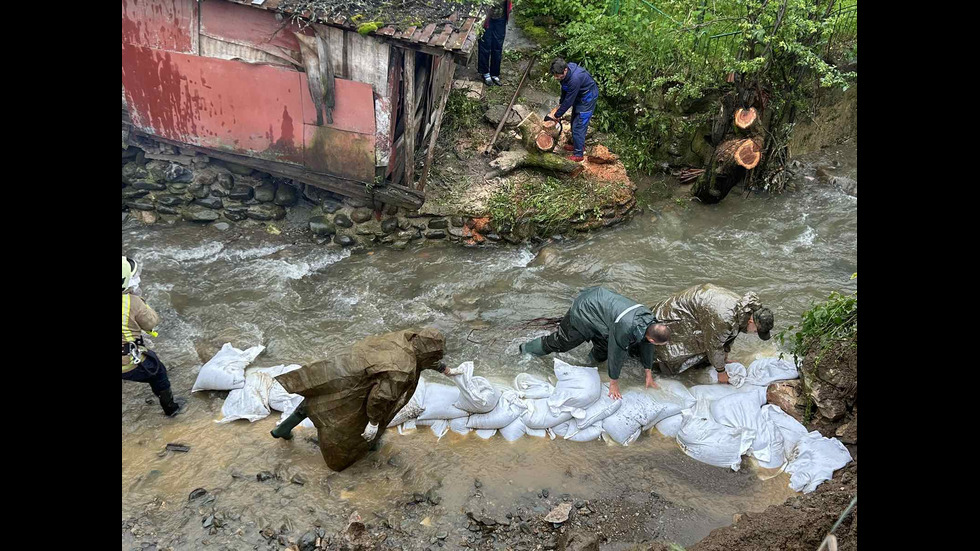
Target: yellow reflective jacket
137, 318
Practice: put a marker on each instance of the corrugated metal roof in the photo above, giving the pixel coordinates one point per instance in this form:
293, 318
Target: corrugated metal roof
447, 25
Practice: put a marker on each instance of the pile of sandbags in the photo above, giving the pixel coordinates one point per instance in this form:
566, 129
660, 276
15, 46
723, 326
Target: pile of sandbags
716, 424
260, 395
226, 369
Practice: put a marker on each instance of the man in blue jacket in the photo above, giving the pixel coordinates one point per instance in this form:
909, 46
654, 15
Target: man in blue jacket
580, 93
613, 324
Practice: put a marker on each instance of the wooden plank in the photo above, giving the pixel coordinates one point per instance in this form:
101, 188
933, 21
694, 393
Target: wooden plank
407, 35
416, 35
457, 40
440, 40
409, 114
454, 17
450, 65
427, 33
387, 31
453, 38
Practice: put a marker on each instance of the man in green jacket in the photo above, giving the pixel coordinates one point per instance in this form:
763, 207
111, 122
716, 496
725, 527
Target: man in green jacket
612, 323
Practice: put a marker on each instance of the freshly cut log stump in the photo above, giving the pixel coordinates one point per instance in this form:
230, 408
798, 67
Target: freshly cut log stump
749, 153
544, 142
745, 118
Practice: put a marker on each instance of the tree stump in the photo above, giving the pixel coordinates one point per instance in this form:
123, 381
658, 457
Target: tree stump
745, 118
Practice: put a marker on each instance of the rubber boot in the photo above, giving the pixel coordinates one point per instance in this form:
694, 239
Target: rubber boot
284, 430
171, 407
533, 347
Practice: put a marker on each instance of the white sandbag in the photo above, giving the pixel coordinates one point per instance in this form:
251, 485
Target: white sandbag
406, 426
559, 430
672, 389
764, 371
530, 387
711, 442
508, 408
600, 409
712, 392
413, 408
439, 403
632, 437
791, 430
439, 428
540, 433
577, 388
624, 426
226, 370
279, 399
742, 410
736, 374
458, 425
816, 460
588, 434
670, 426
539, 417
476, 394
249, 402
486, 433
513, 431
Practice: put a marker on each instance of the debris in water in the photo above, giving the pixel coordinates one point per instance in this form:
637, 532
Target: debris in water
272, 229
174, 447
196, 494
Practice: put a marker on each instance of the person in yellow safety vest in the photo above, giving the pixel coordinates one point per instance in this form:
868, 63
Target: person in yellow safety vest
139, 363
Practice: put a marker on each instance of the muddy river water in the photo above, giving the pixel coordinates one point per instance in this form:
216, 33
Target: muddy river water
304, 302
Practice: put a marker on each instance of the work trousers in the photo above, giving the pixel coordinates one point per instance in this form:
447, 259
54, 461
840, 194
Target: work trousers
151, 370
567, 338
492, 47
580, 125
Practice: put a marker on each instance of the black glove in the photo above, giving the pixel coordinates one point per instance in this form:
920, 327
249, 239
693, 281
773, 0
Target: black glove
549, 118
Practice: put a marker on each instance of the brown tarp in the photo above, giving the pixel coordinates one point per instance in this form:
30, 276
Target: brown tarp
702, 320
371, 383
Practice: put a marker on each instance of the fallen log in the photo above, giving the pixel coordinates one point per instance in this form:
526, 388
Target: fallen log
538, 134
513, 159
744, 118
749, 153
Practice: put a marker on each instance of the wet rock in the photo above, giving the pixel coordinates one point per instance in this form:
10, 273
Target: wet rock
786, 395
400, 245
322, 226
221, 226
360, 215
344, 240
389, 225
149, 186
241, 192
133, 193
236, 214
435, 234
432, 497
307, 542
355, 202
330, 206
370, 228
171, 200
418, 497
209, 202
438, 224
132, 172
156, 171
495, 113
199, 191
298, 479
265, 192
197, 213
140, 204
342, 221
545, 492
263, 476
456, 232
286, 196
492, 236
847, 185
266, 211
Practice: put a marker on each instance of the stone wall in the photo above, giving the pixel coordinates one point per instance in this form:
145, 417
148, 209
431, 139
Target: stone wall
164, 184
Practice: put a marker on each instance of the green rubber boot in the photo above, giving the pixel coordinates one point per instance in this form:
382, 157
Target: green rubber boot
533, 347
284, 430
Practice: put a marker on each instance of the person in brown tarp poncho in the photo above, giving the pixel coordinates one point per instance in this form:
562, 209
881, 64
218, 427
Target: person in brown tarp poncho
360, 391
704, 320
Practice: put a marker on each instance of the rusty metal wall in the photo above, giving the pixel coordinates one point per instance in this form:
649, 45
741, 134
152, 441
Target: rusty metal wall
162, 24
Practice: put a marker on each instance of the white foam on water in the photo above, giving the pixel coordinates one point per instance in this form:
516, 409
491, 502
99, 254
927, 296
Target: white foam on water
204, 251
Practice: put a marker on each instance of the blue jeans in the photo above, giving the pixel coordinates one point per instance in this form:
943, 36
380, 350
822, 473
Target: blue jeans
580, 124
150, 370
492, 47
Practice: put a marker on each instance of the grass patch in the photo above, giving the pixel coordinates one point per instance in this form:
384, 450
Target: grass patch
548, 203
462, 113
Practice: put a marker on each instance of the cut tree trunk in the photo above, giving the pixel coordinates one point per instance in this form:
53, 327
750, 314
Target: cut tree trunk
513, 159
744, 118
538, 134
749, 153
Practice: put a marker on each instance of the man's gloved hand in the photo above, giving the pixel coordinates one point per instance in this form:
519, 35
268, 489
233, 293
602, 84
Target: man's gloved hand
548, 117
370, 431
